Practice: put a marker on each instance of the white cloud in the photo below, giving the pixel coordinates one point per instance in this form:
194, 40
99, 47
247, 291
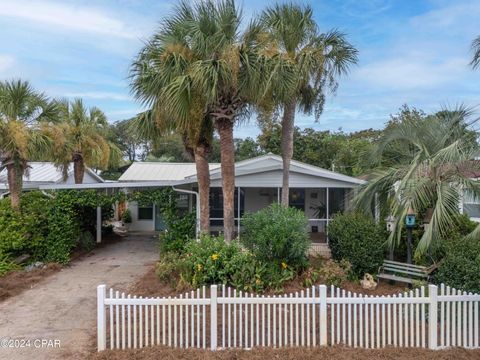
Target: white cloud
61, 15
412, 72
6, 63
99, 95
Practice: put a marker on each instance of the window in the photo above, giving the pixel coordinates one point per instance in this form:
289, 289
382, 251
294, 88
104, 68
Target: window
145, 212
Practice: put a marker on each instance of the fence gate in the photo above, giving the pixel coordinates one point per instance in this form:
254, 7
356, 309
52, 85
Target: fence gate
221, 317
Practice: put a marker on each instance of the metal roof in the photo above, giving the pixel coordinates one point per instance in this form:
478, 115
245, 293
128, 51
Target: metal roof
44, 173
164, 171
160, 171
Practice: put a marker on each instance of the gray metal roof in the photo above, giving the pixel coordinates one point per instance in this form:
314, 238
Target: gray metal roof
44, 172
160, 171
255, 167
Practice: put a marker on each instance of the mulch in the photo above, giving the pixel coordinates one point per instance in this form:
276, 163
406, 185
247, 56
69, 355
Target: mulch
340, 353
16, 282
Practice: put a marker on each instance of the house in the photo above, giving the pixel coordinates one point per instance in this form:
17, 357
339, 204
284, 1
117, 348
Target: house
46, 173
318, 192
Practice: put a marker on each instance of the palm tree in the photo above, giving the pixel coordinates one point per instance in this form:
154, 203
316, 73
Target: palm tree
81, 138
430, 165
206, 64
23, 114
475, 63
197, 140
316, 60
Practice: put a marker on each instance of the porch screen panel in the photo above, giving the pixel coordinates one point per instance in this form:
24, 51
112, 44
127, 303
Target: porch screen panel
336, 201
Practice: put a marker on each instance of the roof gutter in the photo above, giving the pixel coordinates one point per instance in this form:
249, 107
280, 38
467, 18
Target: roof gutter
197, 213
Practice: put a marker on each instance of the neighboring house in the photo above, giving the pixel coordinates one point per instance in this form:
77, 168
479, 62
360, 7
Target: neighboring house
46, 173
318, 192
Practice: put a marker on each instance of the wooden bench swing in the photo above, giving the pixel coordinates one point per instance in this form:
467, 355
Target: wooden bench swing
403, 272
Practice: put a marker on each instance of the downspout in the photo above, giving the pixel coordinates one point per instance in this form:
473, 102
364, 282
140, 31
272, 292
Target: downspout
197, 215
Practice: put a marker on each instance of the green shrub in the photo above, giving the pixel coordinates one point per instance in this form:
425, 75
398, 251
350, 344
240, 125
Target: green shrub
179, 231
12, 230
86, 241
212, 261
127, 216
359, 240
460, 267
277, 234
6, 265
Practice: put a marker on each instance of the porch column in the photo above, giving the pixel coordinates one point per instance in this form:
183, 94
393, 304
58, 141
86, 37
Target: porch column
278, 195
328, 213
99, 224
238, 211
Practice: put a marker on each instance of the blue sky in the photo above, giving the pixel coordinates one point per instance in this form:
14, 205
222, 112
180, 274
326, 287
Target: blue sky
410, 51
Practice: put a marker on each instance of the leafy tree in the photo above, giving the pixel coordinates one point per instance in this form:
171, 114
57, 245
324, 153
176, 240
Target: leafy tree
246, 149
209, 70
81, 138
475, 63
24, 114
133, 147
315, 59
429, 162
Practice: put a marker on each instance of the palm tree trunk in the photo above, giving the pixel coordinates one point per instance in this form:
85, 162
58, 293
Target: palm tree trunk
225, 130
15, 183
203, 177
78, 168
287, 147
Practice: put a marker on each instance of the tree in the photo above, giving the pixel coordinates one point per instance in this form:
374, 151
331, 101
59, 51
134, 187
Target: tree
475, 63
132, 146
24, 113
81, 138
208, 65
317, 60
430, 164
197, 137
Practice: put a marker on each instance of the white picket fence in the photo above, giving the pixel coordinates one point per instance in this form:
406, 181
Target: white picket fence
314, 317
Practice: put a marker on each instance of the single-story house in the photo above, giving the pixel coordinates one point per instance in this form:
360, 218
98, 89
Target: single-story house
46, 173
318, 192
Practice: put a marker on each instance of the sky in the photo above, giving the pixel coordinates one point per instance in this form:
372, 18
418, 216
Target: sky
413, 52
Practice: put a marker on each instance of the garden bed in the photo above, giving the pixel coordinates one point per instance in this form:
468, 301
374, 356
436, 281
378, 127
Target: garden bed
159, 352
150, 285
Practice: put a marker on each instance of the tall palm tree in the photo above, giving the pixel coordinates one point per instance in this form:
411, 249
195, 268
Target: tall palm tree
316, 59
430, 166
197, 140
81, 138
475, 63
23, 114
208, 64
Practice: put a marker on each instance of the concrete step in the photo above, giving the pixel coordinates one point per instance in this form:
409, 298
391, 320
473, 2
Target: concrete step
320, 249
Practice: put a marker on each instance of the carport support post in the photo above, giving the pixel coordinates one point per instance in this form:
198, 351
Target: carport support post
101, 318
99, 224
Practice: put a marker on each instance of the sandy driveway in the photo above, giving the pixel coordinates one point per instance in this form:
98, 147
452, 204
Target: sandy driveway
63, 307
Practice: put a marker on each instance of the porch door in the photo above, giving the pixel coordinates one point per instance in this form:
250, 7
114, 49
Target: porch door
159, 223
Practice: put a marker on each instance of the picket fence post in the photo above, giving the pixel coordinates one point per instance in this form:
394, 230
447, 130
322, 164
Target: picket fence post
432, 316
101, 318
323, 315
213, 317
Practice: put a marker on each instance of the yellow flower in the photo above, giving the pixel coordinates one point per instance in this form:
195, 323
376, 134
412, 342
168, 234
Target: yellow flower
258, 281
284, 265
214, 257
199, 267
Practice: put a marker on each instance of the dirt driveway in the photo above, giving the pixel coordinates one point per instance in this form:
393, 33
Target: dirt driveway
63, 306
